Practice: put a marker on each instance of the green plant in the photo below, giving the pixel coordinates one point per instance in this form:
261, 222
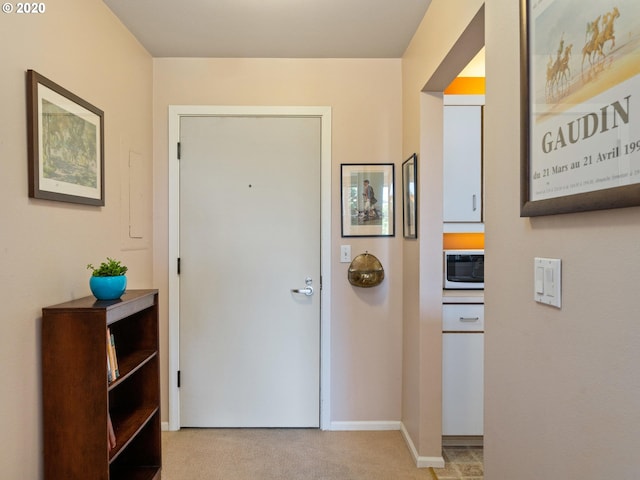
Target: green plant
110, 268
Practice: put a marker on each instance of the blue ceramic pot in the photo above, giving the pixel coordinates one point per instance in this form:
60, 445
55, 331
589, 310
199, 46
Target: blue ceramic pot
108, 288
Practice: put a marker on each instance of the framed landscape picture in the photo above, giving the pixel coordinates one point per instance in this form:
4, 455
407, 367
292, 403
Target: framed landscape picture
581, 107
65, 144
367, 200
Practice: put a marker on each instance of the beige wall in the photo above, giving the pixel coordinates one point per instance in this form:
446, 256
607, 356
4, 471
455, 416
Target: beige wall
433, 59
365, 97
562, 386
44, 245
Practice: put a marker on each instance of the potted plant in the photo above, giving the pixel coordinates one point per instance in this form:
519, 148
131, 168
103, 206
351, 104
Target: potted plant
108, 281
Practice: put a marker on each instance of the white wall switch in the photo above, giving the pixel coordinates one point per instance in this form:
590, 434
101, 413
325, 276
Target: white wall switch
539, 277
345, 253
548, 281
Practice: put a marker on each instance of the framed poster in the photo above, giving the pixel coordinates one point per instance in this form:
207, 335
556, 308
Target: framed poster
65, 144
581, 106
367, 200
410, 197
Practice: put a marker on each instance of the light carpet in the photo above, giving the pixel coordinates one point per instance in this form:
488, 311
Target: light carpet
287, 454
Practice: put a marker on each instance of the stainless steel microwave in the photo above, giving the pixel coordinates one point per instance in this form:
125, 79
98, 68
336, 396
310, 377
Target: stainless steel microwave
464, 269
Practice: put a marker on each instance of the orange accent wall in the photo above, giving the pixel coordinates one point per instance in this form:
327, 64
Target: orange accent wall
466, 86
454, 241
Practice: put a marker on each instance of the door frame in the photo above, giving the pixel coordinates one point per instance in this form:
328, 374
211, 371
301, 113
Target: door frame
324, 113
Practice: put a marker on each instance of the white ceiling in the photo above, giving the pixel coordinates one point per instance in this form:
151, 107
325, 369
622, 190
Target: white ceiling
272, 28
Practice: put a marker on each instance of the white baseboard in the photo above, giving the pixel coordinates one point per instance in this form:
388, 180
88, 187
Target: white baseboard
343, 426
370, 426
421, 462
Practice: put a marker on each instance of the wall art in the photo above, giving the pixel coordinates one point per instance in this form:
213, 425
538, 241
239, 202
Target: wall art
581, 106
65, 144
410, 197
367, 200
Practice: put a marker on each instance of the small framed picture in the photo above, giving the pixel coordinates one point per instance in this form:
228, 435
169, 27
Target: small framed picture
65, 144
367, 200
410, 197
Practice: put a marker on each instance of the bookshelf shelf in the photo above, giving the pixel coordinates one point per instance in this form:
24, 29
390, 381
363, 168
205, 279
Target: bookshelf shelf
131, 363
78, 398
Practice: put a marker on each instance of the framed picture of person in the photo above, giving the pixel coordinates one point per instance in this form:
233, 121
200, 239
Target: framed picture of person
367, 202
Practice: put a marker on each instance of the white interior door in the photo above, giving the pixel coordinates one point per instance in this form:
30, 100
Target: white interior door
249, 234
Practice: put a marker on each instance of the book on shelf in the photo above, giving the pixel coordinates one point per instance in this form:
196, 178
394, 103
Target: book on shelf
111, 436
113, 358
110, 373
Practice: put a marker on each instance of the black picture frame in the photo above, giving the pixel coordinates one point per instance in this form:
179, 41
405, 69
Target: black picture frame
377, 217
65, 149
410, 197
580, 147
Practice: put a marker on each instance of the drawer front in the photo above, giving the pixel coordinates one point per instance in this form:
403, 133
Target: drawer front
463, 318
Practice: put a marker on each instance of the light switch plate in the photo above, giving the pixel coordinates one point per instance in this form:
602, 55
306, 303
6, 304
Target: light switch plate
548, 281
345, 253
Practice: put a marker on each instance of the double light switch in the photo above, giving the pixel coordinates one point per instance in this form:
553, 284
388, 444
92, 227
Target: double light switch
548, 276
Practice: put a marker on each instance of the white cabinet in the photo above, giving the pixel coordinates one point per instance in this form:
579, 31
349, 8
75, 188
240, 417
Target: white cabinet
462, 169
463, 369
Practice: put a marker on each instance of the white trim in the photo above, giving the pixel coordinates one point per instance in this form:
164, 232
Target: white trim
164, 426
463, 99
174, 279
324, 113
362, 426
469, 227
421, 462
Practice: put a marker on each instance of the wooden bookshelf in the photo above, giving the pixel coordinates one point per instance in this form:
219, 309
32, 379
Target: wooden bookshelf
78, 398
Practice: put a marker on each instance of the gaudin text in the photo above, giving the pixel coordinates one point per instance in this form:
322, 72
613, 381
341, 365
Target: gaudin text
609, 117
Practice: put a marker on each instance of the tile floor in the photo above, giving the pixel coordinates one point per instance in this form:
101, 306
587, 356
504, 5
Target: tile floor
461, 463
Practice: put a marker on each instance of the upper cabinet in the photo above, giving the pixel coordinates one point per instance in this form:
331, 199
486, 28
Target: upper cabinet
462, 169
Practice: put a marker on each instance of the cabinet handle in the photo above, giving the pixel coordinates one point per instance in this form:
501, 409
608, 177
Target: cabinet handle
469, 319
474, 203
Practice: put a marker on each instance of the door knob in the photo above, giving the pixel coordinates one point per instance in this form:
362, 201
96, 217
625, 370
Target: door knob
308, 290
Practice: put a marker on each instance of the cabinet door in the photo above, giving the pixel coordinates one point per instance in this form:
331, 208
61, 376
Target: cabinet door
462, 383
462, 169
